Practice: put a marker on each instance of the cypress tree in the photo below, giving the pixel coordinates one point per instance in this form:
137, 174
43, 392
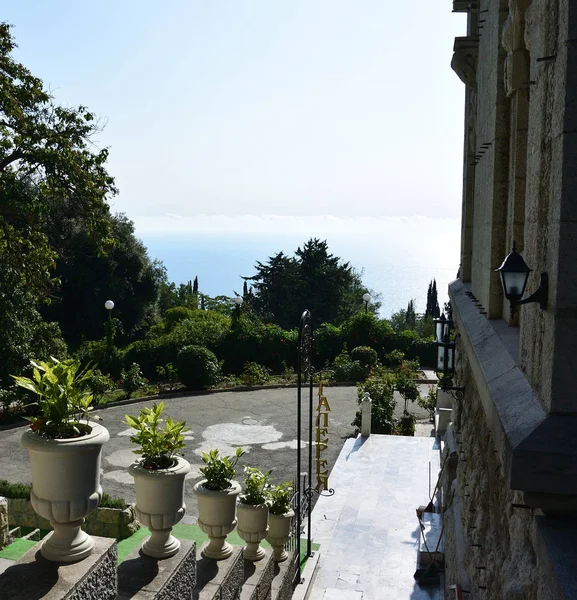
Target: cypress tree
435, 310
195, 285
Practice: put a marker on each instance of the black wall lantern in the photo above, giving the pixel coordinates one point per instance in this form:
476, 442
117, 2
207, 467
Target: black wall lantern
446, 356
514, 274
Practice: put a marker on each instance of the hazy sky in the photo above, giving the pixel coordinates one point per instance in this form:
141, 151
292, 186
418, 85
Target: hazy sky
346, 108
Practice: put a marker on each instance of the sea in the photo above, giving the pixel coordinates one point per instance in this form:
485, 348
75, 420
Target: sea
397, 256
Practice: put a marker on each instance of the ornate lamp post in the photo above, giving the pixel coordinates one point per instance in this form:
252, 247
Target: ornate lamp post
109, 305
238, 301
366, 300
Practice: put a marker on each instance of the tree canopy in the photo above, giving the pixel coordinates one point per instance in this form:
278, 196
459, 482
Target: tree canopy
61, 252
315, 279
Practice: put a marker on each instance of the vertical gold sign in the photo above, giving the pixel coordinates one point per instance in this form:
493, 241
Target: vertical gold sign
322, 425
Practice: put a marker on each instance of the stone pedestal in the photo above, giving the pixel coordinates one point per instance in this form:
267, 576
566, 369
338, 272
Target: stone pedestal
142, 577
33, 577
443, 417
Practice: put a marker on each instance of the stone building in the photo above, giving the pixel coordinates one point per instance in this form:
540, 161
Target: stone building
511, 474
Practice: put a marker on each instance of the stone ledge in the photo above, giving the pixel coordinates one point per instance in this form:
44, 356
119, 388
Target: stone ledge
219, 580
554, 542
538, 451
33, 577
142, 577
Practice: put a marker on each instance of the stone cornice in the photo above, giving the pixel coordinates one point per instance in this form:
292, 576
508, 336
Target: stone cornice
538, 450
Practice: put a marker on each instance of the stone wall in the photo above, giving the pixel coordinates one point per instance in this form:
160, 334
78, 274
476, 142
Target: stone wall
105, 522
4, 528
490, 188
492, 546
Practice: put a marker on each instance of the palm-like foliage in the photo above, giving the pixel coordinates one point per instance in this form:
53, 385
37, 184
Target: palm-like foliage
158, 445
62, 397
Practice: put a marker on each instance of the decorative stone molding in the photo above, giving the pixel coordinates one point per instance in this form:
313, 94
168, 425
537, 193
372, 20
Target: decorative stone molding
464, 61
512, 39
465, 5
538, 451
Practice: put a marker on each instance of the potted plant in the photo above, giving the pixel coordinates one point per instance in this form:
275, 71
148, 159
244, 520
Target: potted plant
279, 520
216, 495
252, 511
159, 478
65, 449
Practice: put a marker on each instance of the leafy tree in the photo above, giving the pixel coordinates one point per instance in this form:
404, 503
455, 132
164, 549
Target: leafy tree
47, 159
411, 315
88, 278
313, 279
432, 308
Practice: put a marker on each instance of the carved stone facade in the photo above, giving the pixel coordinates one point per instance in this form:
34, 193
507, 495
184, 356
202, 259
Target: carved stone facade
513, 443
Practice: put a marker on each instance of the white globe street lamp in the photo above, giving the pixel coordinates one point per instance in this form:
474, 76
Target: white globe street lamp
366, 300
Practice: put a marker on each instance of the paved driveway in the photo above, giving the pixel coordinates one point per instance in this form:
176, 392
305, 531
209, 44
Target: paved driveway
262, 422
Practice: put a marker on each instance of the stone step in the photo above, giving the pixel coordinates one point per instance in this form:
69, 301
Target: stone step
258, 578
433, 526
142, 577
32, 576
216, 579
35, 535
282, 583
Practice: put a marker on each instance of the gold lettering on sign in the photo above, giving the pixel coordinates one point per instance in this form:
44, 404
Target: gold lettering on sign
322, 425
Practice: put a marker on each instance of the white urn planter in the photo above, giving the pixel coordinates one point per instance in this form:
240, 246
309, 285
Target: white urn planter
66, 488
278, 535
252, 528
217, 517
160, 505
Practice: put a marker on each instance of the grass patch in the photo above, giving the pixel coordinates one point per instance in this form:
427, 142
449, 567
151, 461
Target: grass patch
17, 549
195, 534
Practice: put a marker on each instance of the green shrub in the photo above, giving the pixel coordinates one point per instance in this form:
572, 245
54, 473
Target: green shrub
202, 328
254, 374
365, 355
152, 353
328, 343
158, 445
219, 471
170, 376
406, 424
96, 355
381, 389
253, 341
279, 497
346, 369
61, 396
429, 402
99, 384
22, 491
175, 315
15, 490
112, 502
9, 402
255, 486
132, 379
198, 368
